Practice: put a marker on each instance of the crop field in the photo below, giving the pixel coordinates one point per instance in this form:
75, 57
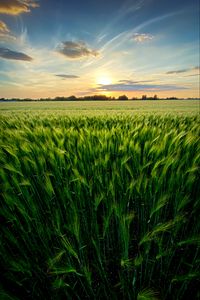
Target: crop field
185, 107
100, 204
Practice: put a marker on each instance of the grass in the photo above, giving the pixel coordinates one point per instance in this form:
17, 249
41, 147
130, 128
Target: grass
104, 107
99, 207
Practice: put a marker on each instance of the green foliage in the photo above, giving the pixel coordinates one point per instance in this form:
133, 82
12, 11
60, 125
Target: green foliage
147, 294
99, 207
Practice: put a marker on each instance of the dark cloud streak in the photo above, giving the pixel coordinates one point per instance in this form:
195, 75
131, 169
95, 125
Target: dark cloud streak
177, 71
134, 82
75, 50
9, 54
139, 87
66, 76
182, 70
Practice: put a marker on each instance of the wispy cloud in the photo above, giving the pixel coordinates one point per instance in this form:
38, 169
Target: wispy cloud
177, 71
16, 7
124, 36
128, 7
116, 41
14, 55
125, 81
4, 28
139, 87
183, 70
66, 76
192, 75
101, 37
5, 33
142, 37
76, 50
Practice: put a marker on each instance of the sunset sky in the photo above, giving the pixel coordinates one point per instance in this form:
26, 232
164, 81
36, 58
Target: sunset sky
84, 47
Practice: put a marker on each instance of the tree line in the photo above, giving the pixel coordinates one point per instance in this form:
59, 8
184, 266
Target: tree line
91, 98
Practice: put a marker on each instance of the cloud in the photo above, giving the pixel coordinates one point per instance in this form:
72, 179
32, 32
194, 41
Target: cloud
128, 7
139, 87
9, 54
183, 70
67, 76
177, 71
75, 50
122, 37
16, 7
197, 68
5, 33
142, 37
133, 82
3, 28
192, 75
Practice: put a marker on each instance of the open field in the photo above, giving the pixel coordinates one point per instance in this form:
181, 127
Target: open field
105, 107
100, 207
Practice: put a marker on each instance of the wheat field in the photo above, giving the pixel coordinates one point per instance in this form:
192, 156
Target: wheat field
99, 207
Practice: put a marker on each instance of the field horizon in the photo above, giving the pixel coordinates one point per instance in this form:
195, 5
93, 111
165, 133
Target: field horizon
89, 107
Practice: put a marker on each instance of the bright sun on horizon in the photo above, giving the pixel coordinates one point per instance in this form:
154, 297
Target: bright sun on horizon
104, 80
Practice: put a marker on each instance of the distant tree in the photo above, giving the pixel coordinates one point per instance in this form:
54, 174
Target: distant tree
99, 97
95, 97
155, 97
60, 98
144, 97
134, 98
70, 98
123, 97
172, 98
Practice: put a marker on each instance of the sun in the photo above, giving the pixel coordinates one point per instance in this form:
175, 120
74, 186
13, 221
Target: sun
104, 80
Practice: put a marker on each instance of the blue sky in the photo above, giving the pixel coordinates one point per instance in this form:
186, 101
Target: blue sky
59, 48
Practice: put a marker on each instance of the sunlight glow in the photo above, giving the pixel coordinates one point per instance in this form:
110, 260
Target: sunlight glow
104, 80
